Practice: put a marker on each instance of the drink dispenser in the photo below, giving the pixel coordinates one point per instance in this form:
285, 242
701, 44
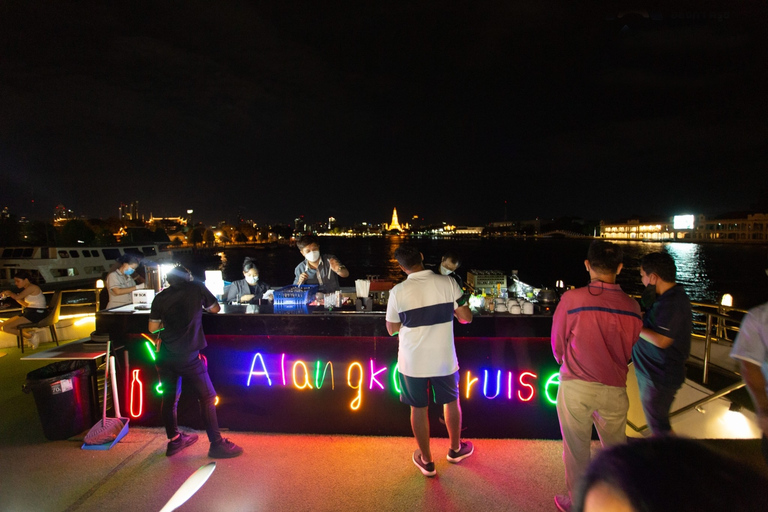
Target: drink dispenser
153, 278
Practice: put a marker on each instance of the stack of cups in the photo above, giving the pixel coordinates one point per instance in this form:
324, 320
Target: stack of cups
362, 288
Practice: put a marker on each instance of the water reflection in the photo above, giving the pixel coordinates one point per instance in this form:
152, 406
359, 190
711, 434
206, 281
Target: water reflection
692, 271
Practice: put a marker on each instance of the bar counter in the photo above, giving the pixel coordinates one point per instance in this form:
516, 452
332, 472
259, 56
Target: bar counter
308, 370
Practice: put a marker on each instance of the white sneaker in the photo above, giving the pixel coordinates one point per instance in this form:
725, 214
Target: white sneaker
35, 339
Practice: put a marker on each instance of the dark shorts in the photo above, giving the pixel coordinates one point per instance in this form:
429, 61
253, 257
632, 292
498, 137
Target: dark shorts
34, 315
415, 390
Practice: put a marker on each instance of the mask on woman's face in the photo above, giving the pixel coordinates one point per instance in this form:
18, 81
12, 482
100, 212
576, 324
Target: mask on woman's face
445, 271
251, 279
313, 256
129, 271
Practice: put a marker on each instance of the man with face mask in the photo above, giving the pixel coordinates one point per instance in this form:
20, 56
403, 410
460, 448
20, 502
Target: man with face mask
449, 264
322, 270
665, 341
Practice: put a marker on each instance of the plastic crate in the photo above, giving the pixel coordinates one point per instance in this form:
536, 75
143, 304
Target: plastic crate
295, 295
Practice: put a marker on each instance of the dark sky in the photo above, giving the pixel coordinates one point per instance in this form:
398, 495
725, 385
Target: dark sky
442, 109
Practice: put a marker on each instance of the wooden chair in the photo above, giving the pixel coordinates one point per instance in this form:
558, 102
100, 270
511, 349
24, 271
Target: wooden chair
50, 320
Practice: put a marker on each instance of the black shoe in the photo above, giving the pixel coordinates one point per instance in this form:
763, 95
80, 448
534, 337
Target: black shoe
426, 468
465, 450
224, 449
180, 443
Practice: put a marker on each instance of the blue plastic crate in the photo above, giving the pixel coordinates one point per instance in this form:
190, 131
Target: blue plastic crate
295, 295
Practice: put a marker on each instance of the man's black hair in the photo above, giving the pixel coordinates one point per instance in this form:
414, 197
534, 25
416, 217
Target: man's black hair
605, 257
452, 256
306, 240
178, 274
408, 256
661, 264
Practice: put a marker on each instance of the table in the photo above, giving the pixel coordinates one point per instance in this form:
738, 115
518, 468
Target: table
70, 351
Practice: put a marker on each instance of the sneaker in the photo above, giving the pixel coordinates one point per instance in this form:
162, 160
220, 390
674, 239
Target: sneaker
224, 449
180, 443
426, 468
466, 448
563, 502
35, 339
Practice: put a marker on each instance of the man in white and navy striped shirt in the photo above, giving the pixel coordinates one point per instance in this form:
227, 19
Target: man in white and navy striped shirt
420, 311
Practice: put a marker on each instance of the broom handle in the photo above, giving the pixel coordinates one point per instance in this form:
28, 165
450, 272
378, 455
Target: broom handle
106, 376
115, 398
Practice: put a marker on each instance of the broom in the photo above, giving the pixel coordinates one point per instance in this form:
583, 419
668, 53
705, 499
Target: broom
107, 429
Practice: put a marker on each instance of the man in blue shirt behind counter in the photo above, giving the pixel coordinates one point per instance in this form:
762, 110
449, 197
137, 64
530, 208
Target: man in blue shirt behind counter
665, 341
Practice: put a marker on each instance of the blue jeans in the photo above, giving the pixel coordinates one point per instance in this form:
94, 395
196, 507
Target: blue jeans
657, 401
171, 369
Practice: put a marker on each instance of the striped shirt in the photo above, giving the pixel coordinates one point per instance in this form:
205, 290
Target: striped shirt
593, 331
424, 304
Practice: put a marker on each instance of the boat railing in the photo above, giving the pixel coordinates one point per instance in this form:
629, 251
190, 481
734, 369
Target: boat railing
715, 324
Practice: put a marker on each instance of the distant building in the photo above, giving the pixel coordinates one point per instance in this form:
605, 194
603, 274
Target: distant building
129, 211
394, 225
692, 228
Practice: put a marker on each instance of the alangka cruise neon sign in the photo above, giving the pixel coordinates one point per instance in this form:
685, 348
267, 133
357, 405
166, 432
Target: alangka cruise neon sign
270, 371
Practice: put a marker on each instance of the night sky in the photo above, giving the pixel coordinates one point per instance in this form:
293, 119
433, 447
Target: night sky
444, 110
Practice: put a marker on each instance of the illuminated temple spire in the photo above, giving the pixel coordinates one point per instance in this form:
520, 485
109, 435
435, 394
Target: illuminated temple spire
394, 224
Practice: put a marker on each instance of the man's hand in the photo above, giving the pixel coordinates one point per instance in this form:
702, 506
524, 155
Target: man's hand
303, 278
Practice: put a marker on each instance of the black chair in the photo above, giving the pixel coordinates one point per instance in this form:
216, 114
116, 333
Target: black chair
50, 320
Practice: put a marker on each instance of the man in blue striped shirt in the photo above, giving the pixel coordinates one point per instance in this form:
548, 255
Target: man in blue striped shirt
420, 311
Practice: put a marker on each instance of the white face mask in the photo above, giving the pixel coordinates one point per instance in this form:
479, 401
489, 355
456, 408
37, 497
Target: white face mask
313, 256
445, 271
251, 279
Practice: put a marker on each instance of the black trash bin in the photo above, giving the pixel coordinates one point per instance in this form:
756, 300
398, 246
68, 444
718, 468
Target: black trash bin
62, 395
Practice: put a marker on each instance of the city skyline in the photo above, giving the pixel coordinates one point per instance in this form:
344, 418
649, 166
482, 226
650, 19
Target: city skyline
450, 112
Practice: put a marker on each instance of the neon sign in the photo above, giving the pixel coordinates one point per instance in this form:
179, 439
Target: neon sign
270, 371
522, 389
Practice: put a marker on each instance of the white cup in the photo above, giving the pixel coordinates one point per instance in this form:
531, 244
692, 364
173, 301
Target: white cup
515, 309
528, 308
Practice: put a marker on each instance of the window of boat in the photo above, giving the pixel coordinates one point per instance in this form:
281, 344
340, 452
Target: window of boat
7, 253
36, 277
63, 254
96, 269
149, 251
94, 253
64, 272
111, 254
18, 252
28, 252
74, 253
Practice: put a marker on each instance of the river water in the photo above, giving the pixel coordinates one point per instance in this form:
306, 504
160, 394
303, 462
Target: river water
707, 270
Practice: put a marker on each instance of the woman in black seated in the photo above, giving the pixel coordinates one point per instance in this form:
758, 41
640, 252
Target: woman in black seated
248, 290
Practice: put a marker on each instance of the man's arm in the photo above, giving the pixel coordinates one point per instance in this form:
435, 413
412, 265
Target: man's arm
655, 338
154, 325
393, 327
755, 381
463, 314
559, 328
215, 308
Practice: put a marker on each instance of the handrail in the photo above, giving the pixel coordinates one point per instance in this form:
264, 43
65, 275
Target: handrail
697, 403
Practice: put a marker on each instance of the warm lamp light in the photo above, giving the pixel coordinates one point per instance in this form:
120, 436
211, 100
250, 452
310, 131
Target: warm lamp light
100, 284
727, 300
